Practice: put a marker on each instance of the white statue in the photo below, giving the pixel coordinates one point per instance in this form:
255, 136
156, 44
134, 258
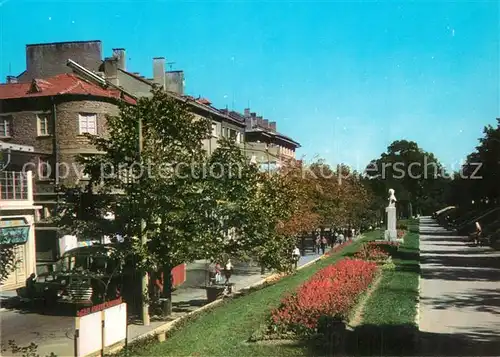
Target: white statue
392, 198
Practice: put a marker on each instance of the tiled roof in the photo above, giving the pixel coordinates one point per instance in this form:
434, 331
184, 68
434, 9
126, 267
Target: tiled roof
204, 101
274, 134
59, 85
234, 115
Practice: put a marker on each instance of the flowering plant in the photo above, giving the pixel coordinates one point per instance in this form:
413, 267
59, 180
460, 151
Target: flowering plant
338, 248
401, 233
331, 292
371, 252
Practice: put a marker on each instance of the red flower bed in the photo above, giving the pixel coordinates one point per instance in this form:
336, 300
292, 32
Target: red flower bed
338, 248
371, 252
331, 292
376, 251
383, 244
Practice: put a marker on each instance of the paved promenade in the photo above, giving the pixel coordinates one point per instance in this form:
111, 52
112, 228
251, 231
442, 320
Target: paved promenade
54, 333
460, 296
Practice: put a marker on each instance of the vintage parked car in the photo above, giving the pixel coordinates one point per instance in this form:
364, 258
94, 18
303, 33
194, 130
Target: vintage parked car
84, 276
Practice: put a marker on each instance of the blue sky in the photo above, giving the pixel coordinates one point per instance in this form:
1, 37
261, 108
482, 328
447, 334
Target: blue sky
345, 79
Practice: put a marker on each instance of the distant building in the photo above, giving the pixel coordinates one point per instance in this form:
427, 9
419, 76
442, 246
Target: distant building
263, 143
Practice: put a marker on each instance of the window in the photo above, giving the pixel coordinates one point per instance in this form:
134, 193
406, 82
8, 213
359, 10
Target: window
214, 130
5, 126
43, 123
232, 134
88, 124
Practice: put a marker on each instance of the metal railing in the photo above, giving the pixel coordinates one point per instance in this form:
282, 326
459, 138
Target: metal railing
14, 185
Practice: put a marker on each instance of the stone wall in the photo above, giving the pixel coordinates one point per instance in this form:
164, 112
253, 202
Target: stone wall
23, 113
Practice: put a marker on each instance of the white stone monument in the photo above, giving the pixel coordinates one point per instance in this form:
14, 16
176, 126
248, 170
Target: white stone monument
391, 233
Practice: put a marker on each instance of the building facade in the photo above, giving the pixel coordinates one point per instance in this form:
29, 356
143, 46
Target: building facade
68, 89
85, 59
18, 214
264, 145
52, 116
223, 125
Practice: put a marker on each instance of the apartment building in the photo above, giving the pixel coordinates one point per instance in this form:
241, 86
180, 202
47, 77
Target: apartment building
66, 91
114, 70
264, 145
52, 116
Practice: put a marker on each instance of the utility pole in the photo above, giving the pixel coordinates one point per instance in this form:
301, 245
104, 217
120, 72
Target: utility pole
144, 282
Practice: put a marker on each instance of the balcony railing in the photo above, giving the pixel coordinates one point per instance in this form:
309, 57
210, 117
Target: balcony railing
16, 186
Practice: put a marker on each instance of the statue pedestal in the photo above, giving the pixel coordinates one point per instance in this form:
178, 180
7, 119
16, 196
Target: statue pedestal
391, 233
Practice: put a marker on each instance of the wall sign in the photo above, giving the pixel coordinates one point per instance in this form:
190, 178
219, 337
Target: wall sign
14, 231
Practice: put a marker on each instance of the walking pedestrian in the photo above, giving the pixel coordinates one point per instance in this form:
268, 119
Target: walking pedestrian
228, 271
317, 244
341, 238
218, 273
349, 234
296, 256
324, 243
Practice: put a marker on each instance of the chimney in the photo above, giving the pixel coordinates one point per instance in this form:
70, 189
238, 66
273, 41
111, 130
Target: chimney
175, 82
272, 126
11, 79
265, 123
119, 54
247, 112
111, 69
159, 71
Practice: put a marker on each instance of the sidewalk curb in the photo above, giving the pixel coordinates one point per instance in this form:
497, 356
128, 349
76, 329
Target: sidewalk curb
162, 329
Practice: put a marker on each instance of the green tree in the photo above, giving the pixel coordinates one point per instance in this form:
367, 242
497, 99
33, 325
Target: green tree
478, 178
157, 187
7, 261
417, 176
191, 206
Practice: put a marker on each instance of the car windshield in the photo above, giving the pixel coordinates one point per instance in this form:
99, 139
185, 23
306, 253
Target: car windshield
98, 263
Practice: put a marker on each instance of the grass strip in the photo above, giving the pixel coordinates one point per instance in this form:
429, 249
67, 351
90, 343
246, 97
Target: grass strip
388, 326
224, 330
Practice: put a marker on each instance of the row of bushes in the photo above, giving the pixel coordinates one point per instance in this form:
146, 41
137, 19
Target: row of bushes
331, 293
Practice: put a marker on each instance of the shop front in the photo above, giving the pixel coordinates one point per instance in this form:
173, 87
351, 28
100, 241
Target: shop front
17, 234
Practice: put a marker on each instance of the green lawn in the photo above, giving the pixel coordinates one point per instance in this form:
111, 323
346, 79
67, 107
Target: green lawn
225, 330
388, 325
393, 302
